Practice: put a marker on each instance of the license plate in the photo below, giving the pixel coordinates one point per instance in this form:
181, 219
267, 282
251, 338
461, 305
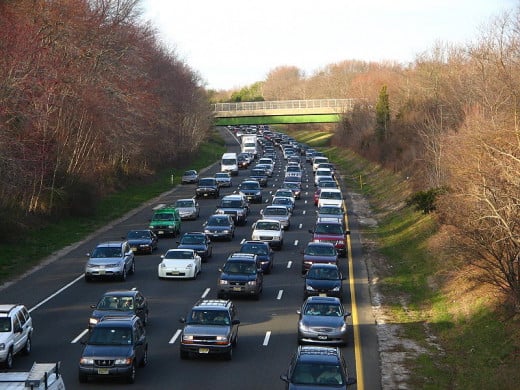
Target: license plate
101, 271
160, 232
237, 289
175, 273
134, 249
206, 194
321, 337
102, 371
322, 295
203, 350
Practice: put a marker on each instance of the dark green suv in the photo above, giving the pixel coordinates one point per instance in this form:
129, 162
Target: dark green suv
114, 349
166, 221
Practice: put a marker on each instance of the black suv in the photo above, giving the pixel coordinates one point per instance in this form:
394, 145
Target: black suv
207, 187
115, 347
241, 275
122, 303
211, 328
252, 190
320, 367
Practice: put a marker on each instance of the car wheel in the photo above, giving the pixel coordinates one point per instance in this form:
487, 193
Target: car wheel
82, 378
123, 275
144, 360
27, 347
184, 354
229, 355
145, 318
9, 360
132, 268
131, 376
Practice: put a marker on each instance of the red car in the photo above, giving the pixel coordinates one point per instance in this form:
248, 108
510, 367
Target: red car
331, 230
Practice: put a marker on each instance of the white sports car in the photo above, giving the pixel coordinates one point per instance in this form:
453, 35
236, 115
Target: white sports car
179, 264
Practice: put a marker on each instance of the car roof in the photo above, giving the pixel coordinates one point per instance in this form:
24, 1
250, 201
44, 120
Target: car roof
110, 243
233, 196
213, 304
242, 256
325, 300
324, 265
315, 243
121, 293
109, 321
311, 353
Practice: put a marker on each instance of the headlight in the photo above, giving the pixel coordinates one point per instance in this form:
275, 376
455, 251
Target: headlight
206, 231
223, 282
221, 338
170, 226
309, 288
150, 227
251, 283
124, 361
86, 361
93, 321
258, 193
225, 231
343, 328
335, 288
187, 338
2, 347
162, 265
189, 265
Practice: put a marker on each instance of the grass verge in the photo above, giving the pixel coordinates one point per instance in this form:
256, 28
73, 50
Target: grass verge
41, 242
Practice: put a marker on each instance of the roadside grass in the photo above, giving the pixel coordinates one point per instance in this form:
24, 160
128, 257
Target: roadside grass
478, 347
43, 241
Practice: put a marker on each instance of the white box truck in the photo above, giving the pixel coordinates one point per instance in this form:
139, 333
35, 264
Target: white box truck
249, 144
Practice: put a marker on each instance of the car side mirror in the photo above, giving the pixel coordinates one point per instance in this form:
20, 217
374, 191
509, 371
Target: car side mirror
93, 306
182, 320
347, 314
285, 378
347, 232
311, 231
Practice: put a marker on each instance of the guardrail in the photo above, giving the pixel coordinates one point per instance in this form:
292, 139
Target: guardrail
339, 104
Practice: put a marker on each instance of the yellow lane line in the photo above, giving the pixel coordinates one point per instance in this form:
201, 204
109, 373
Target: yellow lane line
355, 319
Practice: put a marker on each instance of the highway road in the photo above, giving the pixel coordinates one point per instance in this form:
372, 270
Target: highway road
59, 301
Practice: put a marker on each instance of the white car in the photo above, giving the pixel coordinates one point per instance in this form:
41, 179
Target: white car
268, 230
321, 173
179, 264
330, 197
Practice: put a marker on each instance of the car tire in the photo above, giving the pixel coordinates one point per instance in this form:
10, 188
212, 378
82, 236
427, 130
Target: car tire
132, 268
144, 360
27, 347
123, 275
131, 376
145, 318
184, 355
229, 354
9, 359
82, 378
88, 279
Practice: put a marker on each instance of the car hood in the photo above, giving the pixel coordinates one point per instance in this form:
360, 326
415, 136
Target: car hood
97, 313
138, 241
250, 191
186, 209
4, 336
278, 217
320, 259
229, 210
323, 284
262, 232
105, 260
108, 351
207, 330
217, 227
237, 277
324, 321
196, 247
177, 263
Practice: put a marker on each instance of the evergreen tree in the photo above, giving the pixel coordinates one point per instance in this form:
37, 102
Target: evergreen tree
382, 113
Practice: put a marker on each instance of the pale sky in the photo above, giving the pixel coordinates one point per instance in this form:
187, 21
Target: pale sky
234, 43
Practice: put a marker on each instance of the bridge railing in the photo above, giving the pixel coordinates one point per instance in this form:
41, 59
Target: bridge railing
345, 104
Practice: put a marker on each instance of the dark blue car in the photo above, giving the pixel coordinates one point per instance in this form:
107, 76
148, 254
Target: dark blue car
263, 252
199, 242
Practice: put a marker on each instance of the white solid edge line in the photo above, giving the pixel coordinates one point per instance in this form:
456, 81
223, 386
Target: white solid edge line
56, 293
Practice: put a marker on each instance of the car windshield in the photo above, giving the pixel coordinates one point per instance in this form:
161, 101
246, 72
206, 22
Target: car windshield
275, 211
284, 201
240, 267
284, 193
102, 251
323, 309
110, 336
163, 217
138, 234
330, 195
118, 303
254, 248
218, 222
330, 210
317, 374
5, 324
250, 186
328, 183
206, 182
184, 203
191, 239
329, 228
190, 173
323, 273
209, 317
320, 250
267, 226
231, 203
179, 255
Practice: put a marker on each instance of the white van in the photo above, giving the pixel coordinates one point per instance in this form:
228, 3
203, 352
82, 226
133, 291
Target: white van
229, 163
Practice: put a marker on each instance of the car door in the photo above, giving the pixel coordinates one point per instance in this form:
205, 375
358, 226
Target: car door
139, 341
140, 307
19, 335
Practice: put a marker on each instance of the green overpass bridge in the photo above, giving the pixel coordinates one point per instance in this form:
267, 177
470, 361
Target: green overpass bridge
282, 111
